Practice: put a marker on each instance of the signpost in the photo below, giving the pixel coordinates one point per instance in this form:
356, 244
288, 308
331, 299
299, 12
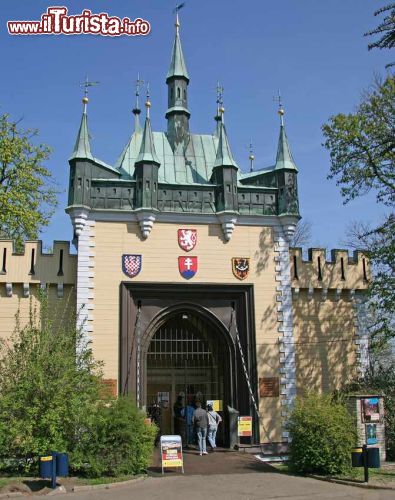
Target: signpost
171, 452
244, 427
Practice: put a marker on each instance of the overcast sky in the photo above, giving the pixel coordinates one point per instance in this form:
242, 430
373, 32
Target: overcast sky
313, 51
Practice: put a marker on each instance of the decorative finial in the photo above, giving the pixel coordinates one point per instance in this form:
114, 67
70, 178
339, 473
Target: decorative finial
280, 111
251, 157
175, 11
139, 83
87, 84
147, 101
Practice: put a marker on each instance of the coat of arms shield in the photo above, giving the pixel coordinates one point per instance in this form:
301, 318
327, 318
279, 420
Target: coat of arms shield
131, 264
241, 267
188, 266
187, 239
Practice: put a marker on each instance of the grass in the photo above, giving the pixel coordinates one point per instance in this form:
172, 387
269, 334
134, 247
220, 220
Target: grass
383, 475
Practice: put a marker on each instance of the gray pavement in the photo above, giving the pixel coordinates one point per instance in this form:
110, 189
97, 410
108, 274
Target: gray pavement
246, 486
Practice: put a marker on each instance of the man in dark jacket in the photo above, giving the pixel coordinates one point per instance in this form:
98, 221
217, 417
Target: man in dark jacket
200, 421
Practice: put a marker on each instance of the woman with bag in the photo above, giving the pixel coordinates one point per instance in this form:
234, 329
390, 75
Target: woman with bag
214, 420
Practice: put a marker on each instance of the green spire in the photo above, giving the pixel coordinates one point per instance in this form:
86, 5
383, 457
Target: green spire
147, 149
224, 157
82, 148
177, 67
284, 157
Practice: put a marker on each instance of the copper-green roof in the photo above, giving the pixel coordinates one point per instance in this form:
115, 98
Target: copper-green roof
147, 152
195, 167
224, 155
177, 63
82, 147
284, 157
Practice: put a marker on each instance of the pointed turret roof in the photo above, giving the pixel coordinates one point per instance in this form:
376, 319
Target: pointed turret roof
147, 149
82, 148
224, 157
177, 63
284, 157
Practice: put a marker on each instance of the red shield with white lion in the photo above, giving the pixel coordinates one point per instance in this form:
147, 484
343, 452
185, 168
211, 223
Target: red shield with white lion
187, 239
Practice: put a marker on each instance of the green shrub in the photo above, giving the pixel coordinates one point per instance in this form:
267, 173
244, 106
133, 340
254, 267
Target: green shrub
52, 398
118, 443
323, 435
49, 387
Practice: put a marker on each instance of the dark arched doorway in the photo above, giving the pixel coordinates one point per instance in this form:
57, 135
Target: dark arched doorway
188, 359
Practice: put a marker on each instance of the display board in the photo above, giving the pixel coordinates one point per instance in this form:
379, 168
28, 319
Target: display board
244, 427
171, 452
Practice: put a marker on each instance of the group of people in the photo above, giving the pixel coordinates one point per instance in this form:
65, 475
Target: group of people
206, 424
191, 422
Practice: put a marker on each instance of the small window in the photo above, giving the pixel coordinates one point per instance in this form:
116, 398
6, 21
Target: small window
185, 94
115, 191
343, 276
147, 185
4, 266
32, 271
296, 268
257, 197
228, 188
79, 182
60, 271
87, 183
178, 92
98, 190
172, 93
319, 268
243, 197
365, 276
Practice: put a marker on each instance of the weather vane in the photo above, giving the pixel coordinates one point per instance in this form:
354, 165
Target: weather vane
87, 84
251, 157
139, 84
280, 106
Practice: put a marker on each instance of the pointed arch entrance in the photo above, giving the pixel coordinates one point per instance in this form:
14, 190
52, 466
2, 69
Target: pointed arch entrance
188, 358
178, 339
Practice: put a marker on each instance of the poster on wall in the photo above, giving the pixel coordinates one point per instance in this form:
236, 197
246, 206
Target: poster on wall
371, 433
370, 410
163, 399
244, 428
171, 452
215, 403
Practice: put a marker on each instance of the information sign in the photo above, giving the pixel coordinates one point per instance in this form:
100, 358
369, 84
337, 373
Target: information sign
244, 427
171, 452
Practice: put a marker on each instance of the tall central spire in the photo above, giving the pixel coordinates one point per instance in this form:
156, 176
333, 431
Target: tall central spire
177, 80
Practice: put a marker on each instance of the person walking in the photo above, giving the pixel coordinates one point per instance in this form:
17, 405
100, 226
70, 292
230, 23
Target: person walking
200, 421
214, 419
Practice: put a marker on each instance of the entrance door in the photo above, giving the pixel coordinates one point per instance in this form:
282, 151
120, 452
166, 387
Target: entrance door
186, 358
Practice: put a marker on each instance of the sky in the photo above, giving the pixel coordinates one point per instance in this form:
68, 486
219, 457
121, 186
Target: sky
313, 51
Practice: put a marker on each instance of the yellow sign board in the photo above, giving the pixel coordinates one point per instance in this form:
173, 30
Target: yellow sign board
215, 403
244, 428
46, 459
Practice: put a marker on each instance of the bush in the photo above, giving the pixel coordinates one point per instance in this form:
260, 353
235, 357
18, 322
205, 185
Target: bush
323, 435
118, 443
52, 398
49, 386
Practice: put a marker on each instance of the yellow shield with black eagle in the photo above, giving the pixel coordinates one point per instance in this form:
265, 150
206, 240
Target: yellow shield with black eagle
241, 267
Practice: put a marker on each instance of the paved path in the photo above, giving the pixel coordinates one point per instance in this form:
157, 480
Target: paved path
252, 486
227, 475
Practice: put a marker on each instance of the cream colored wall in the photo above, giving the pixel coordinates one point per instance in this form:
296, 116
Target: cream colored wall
46, 271
160, 263
324, 335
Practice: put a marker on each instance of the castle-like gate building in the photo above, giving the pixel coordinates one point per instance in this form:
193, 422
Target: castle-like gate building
184, 279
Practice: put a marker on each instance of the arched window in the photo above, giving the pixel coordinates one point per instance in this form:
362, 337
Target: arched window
178, 92
185, 94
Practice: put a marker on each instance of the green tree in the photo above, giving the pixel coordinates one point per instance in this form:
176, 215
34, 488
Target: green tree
49, 385
27, 194
52, 397
386, 30
323, 435
362, 154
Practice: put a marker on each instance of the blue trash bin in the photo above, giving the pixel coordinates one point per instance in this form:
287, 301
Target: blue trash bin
62, 464
47, 466
374, 458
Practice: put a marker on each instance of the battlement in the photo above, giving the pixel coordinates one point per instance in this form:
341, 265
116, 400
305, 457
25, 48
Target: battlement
342, 272
33, 266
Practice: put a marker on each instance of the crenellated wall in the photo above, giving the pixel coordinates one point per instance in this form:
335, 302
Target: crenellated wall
328, 299
22, 274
